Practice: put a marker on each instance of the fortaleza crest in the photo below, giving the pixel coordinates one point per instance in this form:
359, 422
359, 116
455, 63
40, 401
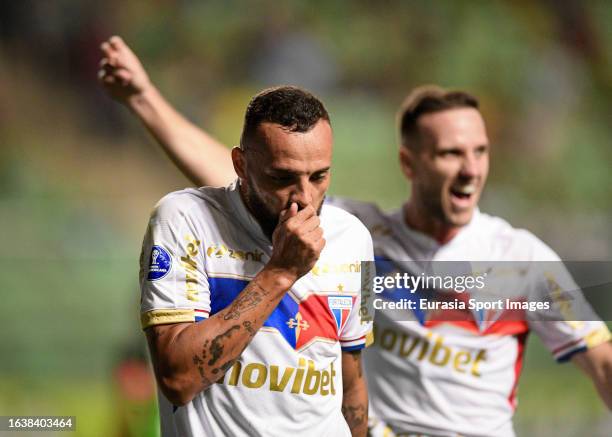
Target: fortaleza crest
340, 307
160, 263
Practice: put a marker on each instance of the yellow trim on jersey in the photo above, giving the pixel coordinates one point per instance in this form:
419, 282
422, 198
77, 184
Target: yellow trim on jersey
165, 317
597, 337
369, 338
388, 432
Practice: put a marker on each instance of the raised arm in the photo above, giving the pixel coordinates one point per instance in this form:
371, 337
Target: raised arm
596, 362
199, 156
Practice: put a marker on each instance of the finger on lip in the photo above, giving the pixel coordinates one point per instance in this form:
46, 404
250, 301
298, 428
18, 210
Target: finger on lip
284, 213
308, 209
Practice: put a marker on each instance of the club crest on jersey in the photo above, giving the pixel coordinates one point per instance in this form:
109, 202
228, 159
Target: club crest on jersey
299, 324
340, 307
160, 263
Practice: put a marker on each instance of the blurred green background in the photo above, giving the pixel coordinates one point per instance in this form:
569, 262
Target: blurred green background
78, 176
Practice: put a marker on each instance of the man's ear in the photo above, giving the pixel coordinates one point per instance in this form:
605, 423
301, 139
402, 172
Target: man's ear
406, 159
239, 161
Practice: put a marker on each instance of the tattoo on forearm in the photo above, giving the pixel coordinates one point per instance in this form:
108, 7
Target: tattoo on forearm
217, 345
205, 349
249, 327
355, 415
212, 350
242, 304
245, 301
216, 351
200, 364
223, 367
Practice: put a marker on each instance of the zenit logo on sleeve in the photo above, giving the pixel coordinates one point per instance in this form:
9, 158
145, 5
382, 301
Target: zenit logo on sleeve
334, 269
221, 250
160, 263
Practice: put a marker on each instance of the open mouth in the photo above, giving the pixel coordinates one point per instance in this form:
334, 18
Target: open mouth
463, 194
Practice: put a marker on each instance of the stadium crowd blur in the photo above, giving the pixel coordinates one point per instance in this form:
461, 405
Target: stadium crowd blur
78, 177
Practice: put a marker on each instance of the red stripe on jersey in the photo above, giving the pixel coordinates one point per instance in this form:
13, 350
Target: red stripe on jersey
468, 325
521, 340
318, 321
354, 339
508, 327
566, 345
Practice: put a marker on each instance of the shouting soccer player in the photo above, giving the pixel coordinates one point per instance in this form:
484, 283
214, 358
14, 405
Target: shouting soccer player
425, 377
271, 341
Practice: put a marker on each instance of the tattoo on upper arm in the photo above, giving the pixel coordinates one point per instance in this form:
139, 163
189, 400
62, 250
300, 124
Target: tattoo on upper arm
356, 356
357, 359
355, 408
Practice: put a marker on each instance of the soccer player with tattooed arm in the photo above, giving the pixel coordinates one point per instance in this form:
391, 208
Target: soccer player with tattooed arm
425, 376
246, 335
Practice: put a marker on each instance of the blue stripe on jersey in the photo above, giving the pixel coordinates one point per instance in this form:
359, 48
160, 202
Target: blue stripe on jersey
353, 348
337, 317
568, 355
384, 267
224, 291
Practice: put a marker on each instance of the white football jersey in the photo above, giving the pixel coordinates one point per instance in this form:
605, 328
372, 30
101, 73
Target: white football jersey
451, 378
201, 249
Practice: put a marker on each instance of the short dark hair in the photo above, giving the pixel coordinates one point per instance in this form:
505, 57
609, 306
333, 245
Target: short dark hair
291, 107
425, 100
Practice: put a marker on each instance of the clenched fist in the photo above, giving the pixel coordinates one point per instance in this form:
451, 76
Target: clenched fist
297, 241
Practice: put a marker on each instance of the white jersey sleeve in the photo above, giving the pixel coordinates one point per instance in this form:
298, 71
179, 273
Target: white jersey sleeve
570, 325
357, 331
173, 281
